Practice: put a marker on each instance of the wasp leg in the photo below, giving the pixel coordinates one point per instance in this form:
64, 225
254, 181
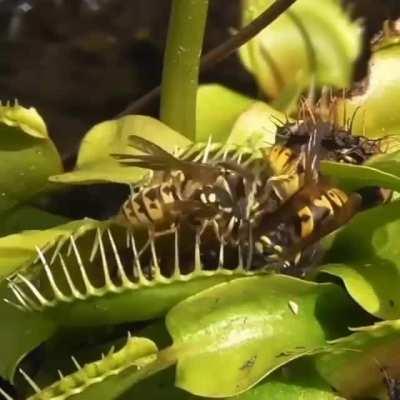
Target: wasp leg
153, 235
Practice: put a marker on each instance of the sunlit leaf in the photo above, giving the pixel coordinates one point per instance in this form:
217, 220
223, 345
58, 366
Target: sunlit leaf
95, 163
375, 103
382, 172
365, 254
229, 337
24, 119
309, 43
217, 110
19, 249
27, 156
256, 126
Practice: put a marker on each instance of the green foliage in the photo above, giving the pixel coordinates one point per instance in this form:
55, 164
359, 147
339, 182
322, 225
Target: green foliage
249, 327
227, 116
376, 102
297, 380
29, 218
19, 334
28, 156
95, 163
382, 171
217, 110
256, 126
309, 44
19, 250
364, 254
246, 334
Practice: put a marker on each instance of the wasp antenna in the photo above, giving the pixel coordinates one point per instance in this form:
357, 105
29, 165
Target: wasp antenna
275, 120
30, 381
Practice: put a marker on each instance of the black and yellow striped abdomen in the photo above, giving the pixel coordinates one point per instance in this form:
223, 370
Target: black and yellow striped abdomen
313, 212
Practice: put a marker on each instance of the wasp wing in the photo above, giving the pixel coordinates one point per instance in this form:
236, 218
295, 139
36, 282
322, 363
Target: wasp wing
157, 158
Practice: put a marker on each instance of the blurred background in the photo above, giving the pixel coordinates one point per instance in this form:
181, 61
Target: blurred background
82, 61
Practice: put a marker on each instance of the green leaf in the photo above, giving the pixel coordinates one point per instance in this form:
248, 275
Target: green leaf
349, 361
383, 172
24, 119
18, 250
95, 163
308, 44
217, 110
20, 333
28, 157
228, 337
256, 126
365, 254
298, 380
375, 107
29, 218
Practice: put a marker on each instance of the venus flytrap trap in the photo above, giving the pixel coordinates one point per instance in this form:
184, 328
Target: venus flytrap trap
112, 285
107, 377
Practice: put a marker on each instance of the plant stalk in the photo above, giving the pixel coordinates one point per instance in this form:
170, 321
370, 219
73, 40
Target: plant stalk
181, 65
222, 51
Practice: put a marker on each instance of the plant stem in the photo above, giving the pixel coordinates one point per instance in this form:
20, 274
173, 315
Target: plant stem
181, 65
221, 52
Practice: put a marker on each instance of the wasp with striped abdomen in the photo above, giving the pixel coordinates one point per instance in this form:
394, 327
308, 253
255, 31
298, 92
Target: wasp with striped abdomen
276, 206
316, 209
200, 193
